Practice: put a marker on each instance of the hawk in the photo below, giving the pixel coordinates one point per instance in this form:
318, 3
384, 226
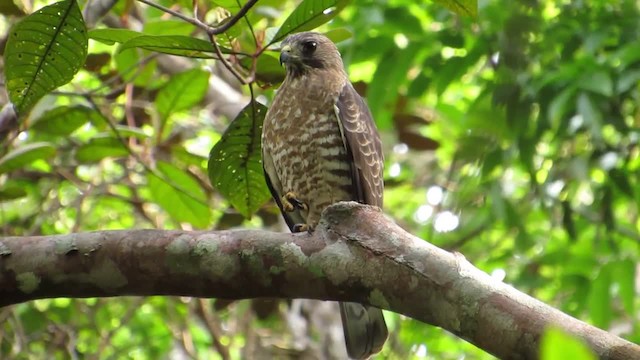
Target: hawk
320, 146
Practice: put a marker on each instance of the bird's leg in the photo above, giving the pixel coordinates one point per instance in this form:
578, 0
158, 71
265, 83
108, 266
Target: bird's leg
290, 202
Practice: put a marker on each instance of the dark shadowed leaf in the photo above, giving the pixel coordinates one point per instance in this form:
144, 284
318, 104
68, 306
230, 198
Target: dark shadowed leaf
25, 155
8, 7
63, 120
183, 91
461, 7
620, 179
567, 220
235, 162
180, 195
44, 51
309, 15
12, 190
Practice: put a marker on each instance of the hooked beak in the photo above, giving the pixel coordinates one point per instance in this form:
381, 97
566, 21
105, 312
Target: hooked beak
285, 54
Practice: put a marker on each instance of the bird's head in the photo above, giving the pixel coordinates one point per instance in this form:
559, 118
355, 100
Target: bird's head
309, 51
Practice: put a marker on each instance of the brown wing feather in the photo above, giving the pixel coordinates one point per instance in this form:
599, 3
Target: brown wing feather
363, 146
275, 187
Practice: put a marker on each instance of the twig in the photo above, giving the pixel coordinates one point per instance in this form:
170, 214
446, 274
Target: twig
233, 20
226, 64
211, 30
192, 21
203, 311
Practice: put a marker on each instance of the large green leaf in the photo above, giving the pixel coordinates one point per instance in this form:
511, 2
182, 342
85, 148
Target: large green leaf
25, 155
180, 195
112, 36
44, 51
235, 162
309, 15
63, 120
182, 91
174, 45
599, 300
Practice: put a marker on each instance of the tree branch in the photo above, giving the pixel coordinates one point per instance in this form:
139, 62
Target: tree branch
355, 254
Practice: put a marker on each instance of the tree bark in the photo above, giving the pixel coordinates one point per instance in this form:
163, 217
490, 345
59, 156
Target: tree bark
355, 254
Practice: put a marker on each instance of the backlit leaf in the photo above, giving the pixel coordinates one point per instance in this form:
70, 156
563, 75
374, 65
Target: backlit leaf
309, 15
235, 162
557, 345
182, 91
43, 52
25, 155
180, 195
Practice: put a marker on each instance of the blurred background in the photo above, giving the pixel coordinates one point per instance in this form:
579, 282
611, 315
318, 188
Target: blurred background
512, 138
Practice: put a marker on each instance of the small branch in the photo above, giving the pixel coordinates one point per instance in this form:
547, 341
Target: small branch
190, 20
225, 63
211, 30
233, 20
355, 254
209, 320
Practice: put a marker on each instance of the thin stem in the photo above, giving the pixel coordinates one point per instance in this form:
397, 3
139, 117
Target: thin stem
233, 20
226, 64
211, 30
192, 21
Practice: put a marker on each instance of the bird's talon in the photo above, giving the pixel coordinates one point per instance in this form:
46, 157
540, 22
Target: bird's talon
291, 202
301, 228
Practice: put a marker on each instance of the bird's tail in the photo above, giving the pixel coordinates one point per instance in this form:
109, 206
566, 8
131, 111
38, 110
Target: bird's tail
364, 329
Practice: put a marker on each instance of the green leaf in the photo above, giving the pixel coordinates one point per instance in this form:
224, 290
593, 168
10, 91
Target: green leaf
557, 345
235, 162
624, 274
25, 155
391, 72
180, 195
112, 36
12, 190
621, 180
100, 147
174, 45
44, 51
63, 120
8, 7
567, 220
597, 82
599, 299
133, 68
461, 7
309, 15
338, 35
182, 91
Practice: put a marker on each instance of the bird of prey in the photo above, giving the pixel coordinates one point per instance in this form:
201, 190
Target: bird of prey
321, 146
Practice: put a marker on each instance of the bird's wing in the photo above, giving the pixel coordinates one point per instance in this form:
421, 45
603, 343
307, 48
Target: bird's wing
363, 145
275, 187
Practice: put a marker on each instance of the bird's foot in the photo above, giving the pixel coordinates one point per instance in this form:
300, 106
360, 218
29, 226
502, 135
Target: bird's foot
297, 228
290, 202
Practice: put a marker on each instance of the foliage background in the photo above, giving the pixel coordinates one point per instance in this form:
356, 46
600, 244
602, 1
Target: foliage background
511, 138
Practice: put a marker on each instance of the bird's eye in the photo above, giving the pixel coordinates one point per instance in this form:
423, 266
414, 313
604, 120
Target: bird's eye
309, 47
